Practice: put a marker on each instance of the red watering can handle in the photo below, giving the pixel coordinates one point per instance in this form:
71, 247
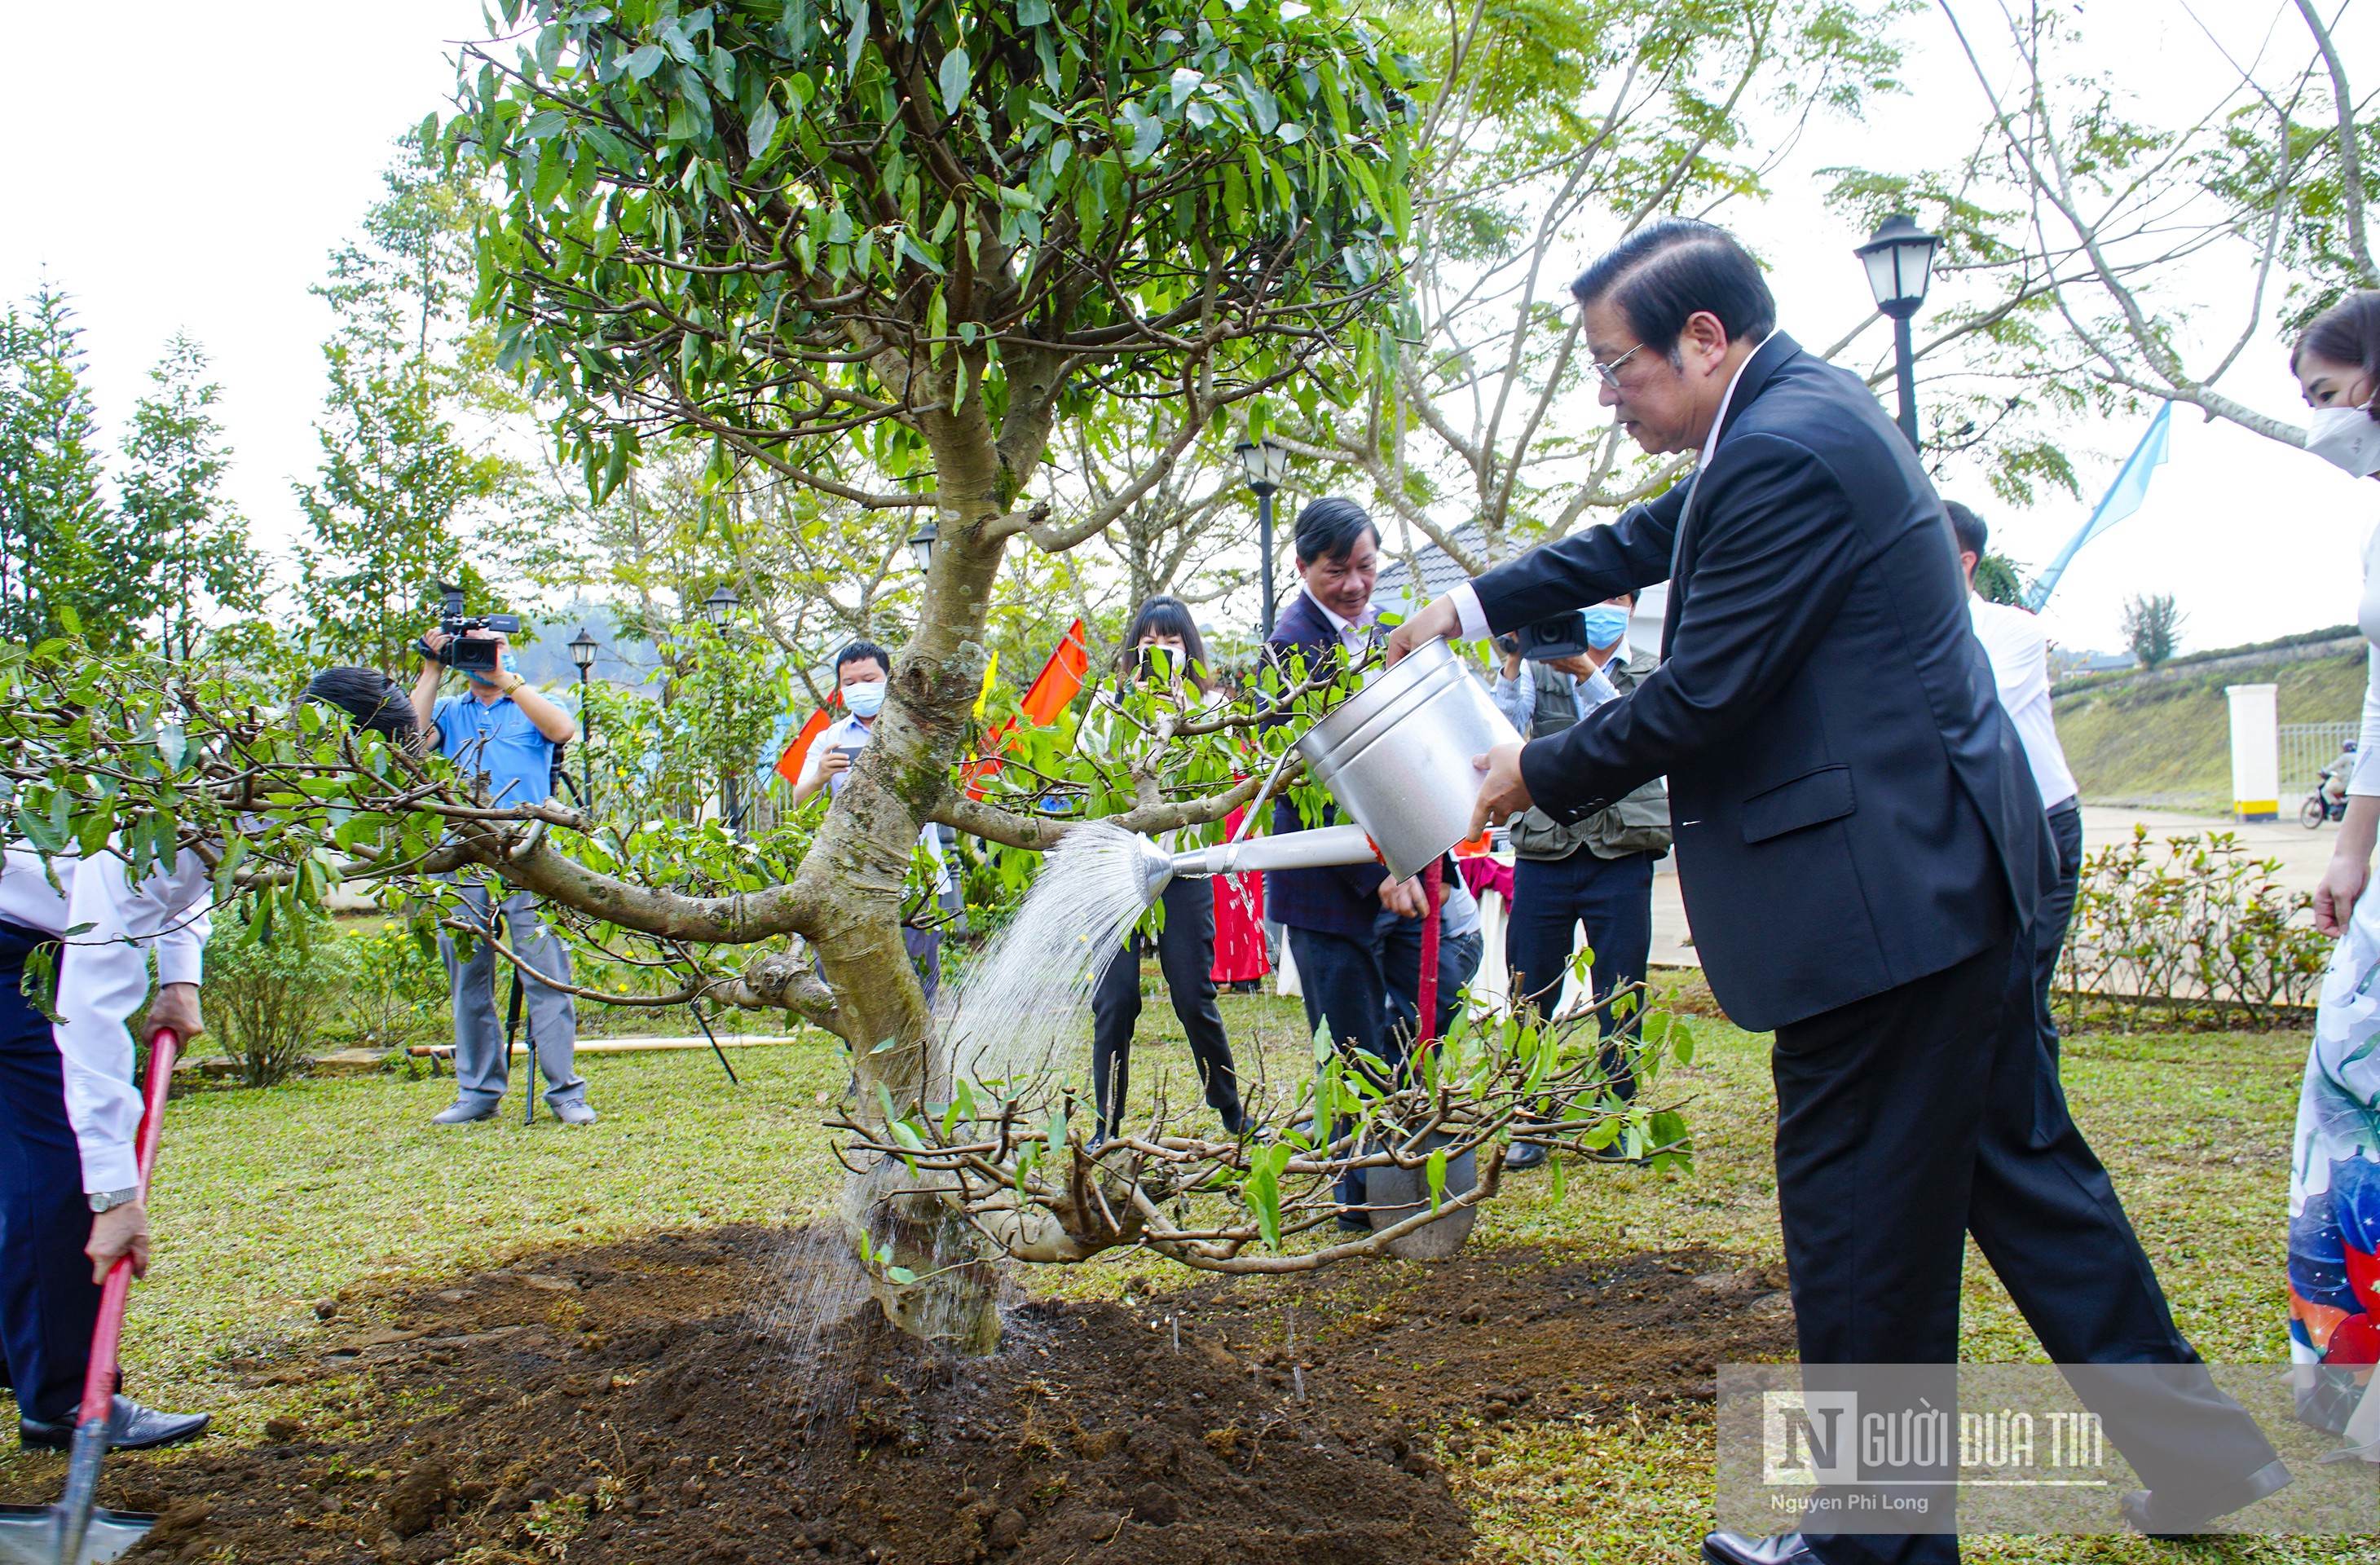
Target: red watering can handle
99, 1381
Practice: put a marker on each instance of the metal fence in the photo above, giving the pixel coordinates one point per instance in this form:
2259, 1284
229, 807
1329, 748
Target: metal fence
2306, 748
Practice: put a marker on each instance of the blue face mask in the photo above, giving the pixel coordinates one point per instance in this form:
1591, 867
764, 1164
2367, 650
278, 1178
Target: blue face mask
865, 700
1606, 624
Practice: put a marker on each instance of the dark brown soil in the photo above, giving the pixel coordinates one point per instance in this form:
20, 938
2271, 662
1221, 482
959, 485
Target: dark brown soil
630, 1402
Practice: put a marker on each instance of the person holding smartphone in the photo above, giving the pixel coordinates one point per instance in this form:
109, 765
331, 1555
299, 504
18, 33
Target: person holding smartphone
1161, 649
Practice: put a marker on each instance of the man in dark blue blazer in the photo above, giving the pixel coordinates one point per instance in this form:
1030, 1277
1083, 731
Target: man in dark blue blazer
1330, 913
1860, 845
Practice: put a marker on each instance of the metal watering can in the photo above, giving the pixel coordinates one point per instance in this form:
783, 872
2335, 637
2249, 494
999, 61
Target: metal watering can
1397, 759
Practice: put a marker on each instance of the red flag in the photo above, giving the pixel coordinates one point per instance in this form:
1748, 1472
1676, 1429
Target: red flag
1060, 679
789, 765
1059, 682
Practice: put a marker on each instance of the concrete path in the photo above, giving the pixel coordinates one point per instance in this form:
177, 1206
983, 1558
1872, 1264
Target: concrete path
2302, 855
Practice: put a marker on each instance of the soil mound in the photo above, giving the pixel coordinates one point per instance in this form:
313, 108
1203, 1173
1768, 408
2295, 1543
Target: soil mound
632, 1403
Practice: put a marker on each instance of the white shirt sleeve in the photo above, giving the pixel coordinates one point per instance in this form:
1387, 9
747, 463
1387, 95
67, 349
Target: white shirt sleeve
1467, 608
102, 979
2366, 781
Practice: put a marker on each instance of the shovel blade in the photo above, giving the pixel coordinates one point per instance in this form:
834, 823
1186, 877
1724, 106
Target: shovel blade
35, 1535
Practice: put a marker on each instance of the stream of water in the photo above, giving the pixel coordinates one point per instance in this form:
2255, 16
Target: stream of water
1018, 1014
1016, 1017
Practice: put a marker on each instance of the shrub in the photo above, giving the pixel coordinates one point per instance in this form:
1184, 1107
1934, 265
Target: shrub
396, 992
269, 983
2189, 925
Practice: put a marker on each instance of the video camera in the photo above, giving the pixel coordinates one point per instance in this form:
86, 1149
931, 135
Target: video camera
1560, 636
471, 655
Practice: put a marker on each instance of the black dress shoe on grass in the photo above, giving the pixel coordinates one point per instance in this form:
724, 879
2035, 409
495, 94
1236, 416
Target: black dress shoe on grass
2175, 1517
1735, 1548
1524, 1155
130, 1427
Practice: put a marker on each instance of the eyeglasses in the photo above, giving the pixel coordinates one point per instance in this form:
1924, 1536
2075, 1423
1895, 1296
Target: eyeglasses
1610, 372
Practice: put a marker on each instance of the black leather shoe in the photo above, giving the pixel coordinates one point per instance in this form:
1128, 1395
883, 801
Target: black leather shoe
1735, 1548
2172, 1519
1524, 1155
130, 1427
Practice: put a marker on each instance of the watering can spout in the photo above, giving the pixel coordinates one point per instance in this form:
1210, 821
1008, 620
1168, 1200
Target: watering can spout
1290, 850
1156, 870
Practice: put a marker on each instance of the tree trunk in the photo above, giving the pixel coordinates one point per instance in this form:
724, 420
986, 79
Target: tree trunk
860, 859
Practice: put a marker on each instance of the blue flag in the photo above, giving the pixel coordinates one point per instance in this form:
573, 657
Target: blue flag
2123, 498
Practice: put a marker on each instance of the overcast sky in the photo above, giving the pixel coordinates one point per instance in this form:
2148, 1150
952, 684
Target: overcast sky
193, 169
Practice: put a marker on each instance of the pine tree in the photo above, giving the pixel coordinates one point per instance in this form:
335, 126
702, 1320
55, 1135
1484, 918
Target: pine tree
398, 486
69, 563
174, 462
394, 479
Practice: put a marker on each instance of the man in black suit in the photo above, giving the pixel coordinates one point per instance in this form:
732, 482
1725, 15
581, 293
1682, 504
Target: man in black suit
1860, 845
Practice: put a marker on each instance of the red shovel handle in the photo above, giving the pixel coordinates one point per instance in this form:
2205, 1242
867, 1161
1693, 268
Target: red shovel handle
99, 1381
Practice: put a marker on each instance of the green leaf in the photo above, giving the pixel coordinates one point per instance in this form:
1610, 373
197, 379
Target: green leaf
1434, 1169
757, 135
1032, 13
900, 1274
646, 61
1261, 1189
955, 74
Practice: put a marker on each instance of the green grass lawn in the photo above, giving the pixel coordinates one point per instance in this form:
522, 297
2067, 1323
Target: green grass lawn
269, 1201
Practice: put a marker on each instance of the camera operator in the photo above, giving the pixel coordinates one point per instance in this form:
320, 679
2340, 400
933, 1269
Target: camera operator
505, 732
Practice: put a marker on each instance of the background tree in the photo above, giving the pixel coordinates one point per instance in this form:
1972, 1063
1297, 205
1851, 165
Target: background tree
2075, 228
174, 462
1554, 129
402, 499
382, 515
68, 561
2152, 627
1998, 581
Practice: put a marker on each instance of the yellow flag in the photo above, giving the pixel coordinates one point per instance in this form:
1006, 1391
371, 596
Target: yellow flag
991, 672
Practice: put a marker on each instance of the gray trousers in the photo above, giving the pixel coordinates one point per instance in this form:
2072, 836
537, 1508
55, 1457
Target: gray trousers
483, 1071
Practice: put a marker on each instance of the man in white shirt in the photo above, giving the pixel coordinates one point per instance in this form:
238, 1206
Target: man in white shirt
69, 1180
861, 671
2019, 653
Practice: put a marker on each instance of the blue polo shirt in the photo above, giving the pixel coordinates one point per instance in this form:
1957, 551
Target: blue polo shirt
500, 741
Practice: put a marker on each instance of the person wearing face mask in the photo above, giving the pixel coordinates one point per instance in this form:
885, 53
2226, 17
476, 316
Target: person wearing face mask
861, 673
1163, 650
2334, 1244
1597, 872
505, 731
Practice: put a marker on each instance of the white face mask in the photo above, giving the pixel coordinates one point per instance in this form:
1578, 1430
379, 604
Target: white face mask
2345, 437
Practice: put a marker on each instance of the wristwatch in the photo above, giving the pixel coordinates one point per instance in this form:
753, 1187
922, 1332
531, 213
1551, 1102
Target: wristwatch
108, 1200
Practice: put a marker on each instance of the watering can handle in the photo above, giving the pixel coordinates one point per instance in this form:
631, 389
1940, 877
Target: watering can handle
99, 1380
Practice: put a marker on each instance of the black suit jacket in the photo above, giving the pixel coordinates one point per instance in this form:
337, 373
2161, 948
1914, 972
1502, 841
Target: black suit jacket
1853, 808
1341, 899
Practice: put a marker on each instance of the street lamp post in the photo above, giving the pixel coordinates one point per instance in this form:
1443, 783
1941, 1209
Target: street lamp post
1266, 465
1900, 260
922, 546
717, 610
583, 648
